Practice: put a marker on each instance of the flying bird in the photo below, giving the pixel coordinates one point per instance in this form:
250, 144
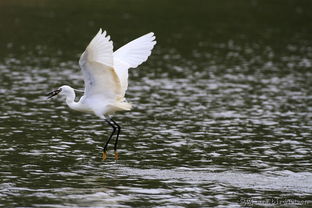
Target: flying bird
105, 76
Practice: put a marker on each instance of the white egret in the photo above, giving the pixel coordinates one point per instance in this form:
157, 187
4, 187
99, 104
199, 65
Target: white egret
106, 78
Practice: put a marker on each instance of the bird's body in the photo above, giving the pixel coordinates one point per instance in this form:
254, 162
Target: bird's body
106, 76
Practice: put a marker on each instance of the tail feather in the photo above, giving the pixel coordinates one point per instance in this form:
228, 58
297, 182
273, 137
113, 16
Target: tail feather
125, 106
119, 106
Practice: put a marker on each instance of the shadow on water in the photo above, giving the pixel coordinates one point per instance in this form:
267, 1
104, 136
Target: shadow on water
222, 109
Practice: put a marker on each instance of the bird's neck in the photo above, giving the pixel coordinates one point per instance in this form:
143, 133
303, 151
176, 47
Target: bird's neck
70, 100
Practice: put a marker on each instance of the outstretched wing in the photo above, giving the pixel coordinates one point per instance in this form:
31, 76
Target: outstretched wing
96, 63
132, 55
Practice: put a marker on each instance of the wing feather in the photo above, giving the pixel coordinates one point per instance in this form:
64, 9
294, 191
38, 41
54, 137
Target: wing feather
137, 51
132, 55
96, 63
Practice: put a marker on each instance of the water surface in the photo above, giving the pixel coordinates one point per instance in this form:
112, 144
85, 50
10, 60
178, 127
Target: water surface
222, 109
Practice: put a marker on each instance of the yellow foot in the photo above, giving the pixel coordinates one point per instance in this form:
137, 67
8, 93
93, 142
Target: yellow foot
104, 156
116, 155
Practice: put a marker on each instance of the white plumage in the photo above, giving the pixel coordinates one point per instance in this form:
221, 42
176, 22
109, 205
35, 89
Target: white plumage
132, 55
106, 76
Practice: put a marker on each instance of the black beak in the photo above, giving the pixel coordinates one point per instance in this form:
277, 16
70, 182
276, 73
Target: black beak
53, 93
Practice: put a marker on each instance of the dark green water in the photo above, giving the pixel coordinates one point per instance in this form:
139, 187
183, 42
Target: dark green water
222, 109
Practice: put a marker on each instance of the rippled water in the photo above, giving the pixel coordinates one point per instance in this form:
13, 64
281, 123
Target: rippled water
222, 116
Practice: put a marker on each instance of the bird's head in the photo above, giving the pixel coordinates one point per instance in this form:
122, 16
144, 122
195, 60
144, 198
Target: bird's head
65, 89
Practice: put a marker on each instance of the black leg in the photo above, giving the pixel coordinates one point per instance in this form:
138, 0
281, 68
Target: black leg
118, 132
114, 129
